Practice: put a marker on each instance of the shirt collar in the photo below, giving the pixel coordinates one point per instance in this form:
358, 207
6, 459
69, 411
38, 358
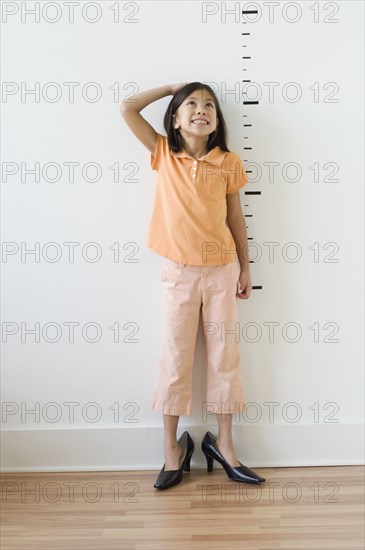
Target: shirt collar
214, 156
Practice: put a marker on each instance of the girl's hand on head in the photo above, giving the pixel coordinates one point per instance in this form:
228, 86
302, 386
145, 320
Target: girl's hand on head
176, 87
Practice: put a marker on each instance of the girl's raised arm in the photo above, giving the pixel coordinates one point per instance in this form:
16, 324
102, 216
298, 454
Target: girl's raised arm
130, 111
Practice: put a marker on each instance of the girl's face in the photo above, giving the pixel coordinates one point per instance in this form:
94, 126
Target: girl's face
197, 115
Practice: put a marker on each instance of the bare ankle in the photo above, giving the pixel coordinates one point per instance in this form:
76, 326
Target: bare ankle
226, 441
171, 445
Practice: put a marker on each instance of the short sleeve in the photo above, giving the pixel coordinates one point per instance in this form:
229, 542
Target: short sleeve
237, 176
155, 158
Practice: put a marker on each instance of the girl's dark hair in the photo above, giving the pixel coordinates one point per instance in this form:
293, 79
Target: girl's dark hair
175, 140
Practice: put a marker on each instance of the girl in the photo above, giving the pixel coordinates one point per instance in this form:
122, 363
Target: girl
198, 227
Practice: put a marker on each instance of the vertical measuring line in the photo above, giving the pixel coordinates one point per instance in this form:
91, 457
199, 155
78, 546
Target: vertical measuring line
248, 125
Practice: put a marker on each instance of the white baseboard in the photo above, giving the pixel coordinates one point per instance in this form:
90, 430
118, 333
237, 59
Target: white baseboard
141, 448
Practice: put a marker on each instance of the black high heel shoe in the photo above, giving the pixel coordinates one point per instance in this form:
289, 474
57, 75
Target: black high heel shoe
238, 473
168, 478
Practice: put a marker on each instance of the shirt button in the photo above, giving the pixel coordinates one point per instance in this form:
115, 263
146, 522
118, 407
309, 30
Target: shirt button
194, 161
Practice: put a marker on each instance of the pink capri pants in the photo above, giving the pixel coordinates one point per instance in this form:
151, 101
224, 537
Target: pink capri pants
186, 289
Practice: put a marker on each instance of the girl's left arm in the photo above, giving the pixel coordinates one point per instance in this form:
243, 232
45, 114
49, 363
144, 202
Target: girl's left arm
237, 225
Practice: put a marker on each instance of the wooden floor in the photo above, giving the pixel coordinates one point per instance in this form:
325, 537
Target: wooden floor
311, 508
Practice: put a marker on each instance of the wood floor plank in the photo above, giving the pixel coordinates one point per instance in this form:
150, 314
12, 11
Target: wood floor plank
315, 508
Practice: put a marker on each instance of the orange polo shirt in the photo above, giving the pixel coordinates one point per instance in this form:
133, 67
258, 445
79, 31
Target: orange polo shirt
188, 223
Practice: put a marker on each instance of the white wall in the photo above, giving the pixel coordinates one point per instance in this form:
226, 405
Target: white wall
313, 198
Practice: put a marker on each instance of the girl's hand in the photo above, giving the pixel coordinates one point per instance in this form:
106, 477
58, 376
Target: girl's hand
176, 87
245, 284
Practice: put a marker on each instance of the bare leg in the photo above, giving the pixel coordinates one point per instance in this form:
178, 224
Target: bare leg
224, 441
173, 451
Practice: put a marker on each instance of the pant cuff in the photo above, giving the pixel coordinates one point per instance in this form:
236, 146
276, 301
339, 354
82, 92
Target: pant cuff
166, 409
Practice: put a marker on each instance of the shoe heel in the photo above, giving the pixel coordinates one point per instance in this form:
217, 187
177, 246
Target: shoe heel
187, 463
209, 463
